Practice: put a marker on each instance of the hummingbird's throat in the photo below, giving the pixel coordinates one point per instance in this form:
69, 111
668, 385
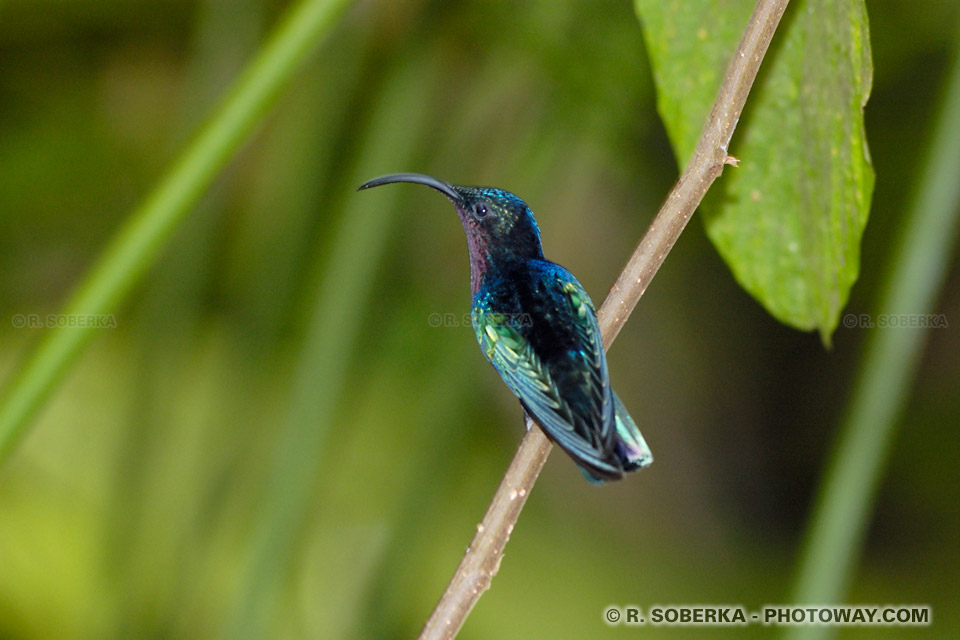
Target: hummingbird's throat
479, 260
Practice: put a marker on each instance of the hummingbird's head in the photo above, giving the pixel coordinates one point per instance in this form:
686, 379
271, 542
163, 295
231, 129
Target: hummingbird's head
500, 226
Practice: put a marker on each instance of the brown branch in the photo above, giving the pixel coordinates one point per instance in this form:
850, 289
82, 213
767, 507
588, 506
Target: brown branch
482, 559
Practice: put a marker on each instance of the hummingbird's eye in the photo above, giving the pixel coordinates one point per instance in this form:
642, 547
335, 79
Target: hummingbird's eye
480, 211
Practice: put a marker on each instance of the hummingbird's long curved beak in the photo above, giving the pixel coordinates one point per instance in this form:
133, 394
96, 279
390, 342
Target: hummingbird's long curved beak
417, 178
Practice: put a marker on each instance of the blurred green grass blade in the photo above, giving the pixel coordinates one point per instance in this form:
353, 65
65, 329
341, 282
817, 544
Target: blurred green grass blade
916, 273
342, 287
136, 246
788, 221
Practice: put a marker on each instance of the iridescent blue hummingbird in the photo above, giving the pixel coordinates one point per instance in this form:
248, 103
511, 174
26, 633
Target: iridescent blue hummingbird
538, 327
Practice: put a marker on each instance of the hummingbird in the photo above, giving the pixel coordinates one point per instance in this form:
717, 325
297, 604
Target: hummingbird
538, 328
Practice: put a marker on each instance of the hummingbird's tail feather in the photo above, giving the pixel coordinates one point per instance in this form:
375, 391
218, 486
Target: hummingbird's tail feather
631, 452
632, 449
591, 477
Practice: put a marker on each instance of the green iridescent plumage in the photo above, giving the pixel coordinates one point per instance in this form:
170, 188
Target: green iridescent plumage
538, 327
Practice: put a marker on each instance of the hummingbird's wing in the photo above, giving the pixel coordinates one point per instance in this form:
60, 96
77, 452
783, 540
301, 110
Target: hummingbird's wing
551, 356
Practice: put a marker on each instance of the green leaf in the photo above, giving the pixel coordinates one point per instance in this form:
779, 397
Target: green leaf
789, 220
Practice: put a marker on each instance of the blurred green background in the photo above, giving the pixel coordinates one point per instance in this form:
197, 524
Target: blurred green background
274, 441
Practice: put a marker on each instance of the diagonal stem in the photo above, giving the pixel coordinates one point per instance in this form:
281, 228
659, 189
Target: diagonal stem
482, 559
